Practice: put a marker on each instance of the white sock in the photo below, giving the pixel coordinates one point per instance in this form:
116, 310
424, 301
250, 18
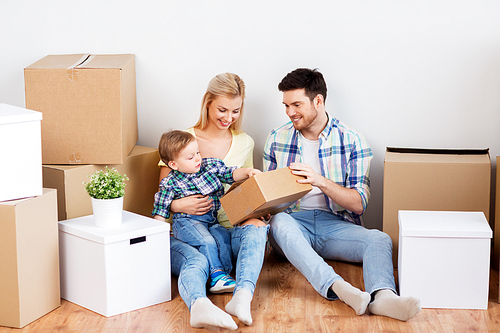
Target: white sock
388, 304
239, 306
205, 313
355, 298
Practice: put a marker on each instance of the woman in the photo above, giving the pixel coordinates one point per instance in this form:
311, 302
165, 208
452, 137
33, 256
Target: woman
218, 135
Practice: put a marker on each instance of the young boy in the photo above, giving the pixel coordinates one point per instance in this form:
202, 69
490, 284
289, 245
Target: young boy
191, 175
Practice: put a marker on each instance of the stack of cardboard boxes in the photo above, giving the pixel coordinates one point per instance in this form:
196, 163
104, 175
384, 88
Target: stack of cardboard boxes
89, 110
89, 122
436, 210
29, 257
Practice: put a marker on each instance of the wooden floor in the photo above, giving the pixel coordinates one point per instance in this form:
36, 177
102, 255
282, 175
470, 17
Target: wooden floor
283, 302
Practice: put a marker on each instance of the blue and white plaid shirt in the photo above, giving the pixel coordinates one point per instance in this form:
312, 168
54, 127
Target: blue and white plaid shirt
344, 157
207, 181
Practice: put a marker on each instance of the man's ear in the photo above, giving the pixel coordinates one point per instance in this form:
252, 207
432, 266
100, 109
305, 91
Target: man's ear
318, 100
172, 165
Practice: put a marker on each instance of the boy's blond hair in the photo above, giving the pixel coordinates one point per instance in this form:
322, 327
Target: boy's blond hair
172, 143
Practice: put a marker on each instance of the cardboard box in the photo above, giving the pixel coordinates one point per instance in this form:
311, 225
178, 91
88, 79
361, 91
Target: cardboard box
266, 193
434, 179
444, 258
21, 151
141, 166
496, 234
89, 107
29, 259
115, 270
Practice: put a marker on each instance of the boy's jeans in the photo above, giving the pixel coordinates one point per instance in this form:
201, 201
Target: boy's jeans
194, 230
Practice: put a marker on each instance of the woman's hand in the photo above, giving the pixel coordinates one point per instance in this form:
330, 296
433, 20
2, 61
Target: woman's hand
193, 205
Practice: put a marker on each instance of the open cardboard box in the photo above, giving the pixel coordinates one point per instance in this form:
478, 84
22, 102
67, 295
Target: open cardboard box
265, 193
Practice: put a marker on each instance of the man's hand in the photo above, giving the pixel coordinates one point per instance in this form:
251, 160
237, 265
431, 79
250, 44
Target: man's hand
312, 177
347, 198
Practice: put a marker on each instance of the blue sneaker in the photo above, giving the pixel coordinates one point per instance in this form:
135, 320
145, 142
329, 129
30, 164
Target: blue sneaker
220, 282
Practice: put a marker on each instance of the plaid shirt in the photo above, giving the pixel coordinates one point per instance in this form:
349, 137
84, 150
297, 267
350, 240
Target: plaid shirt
207, 181
344, 157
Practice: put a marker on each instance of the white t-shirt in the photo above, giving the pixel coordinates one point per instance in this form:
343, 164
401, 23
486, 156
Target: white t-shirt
315, 199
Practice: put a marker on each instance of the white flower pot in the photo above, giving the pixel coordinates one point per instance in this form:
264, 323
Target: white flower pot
107, 212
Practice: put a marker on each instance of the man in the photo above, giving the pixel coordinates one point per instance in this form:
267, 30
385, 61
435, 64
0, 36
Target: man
327, 223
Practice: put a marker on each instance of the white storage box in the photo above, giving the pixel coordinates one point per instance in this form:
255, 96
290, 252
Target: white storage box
115, 270
21, 151
444, 258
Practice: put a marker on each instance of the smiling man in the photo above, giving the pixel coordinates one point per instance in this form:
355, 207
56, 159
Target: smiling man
327, 222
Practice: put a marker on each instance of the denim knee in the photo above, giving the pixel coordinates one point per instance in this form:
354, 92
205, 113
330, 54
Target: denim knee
383, 238
199, 262
278, 221
184, 256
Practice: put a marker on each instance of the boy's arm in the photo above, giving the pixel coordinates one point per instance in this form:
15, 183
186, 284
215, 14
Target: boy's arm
162, 202
159, 218
244, 173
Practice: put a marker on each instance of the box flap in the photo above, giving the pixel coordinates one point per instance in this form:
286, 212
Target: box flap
106, 61
59, 61
84, 227
83, 60
443, 224
440, 151
10, 114
425, 155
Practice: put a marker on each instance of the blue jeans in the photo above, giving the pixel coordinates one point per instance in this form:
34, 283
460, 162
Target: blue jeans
247, 244
306, 238
191, 267
194, 230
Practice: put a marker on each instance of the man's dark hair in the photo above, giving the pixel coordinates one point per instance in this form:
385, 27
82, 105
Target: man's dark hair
304, 78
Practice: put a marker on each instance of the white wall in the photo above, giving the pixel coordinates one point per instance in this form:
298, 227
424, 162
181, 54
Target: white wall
404, 73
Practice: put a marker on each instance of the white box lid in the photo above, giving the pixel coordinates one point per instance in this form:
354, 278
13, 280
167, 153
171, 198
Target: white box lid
10, 114
443, 224
133, 226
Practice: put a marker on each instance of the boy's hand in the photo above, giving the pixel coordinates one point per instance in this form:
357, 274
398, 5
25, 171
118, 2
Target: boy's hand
240, 174
253, 172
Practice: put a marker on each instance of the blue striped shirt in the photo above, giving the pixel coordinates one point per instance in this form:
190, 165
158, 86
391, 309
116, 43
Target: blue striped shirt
344, 156
207, 181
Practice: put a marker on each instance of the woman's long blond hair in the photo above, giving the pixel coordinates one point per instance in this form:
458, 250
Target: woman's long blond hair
227, 85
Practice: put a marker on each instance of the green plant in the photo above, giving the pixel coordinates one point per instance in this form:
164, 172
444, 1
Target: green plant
106, 184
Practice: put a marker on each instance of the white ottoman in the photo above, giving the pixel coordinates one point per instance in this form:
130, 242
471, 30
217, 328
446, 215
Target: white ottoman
115, 270
444, 258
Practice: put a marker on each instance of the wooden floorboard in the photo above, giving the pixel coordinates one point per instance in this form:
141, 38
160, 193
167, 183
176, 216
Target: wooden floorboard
283, 302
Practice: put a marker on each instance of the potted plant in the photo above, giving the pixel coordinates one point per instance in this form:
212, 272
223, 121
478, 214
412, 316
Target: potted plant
106, 189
